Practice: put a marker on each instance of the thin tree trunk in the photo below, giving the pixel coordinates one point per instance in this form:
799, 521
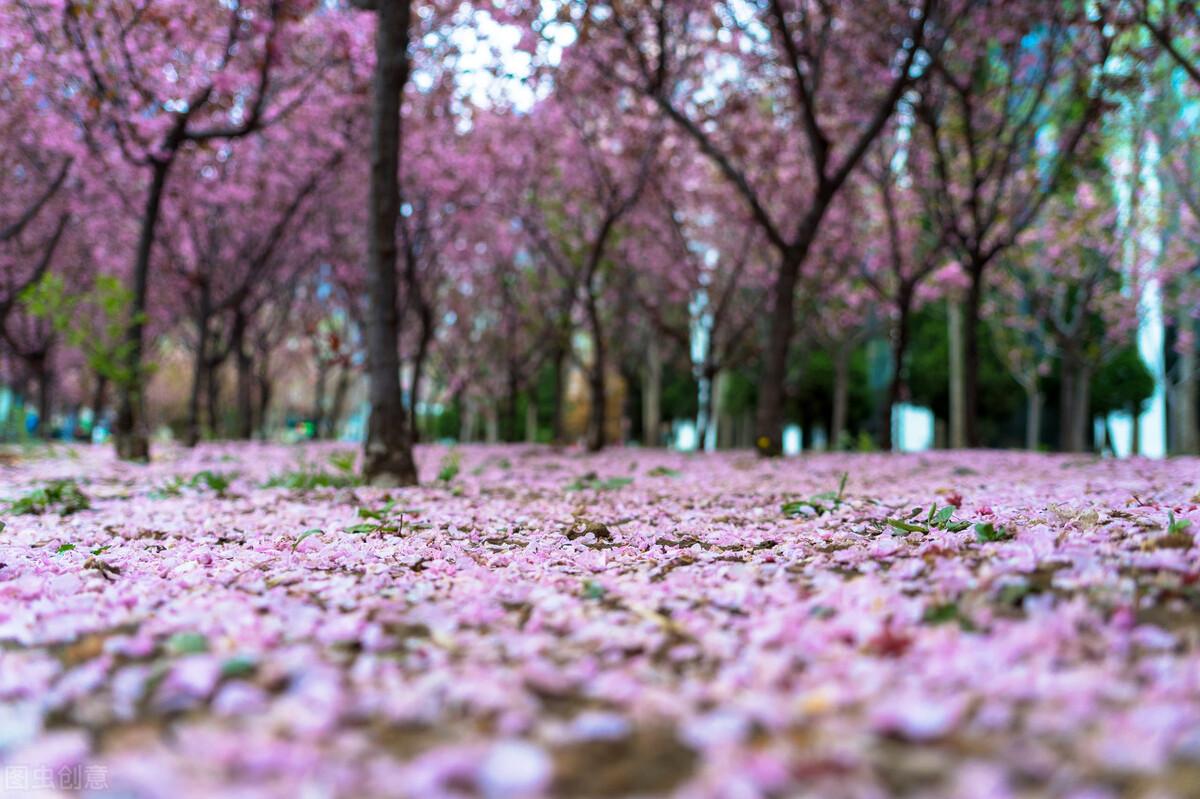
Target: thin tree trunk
899, 349
769, 417
970, 337
706, 424
531, 418
1074, 402
652, 395
958, 390
98, 399
466, 424
212, 396
510, 405
44, 389
245, 389
387, 458
560, 387
1135, 427
418, 374
1083, 409
1188, 438
841, 398
264, 395
491, 424
192, 434
337, 408
131, 435
597, 432
1033, 415
319, 391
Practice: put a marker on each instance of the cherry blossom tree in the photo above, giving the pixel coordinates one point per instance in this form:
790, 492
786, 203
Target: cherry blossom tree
1016, 75
817, 83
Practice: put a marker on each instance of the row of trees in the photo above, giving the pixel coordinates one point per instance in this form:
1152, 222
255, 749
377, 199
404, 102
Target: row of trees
470, 202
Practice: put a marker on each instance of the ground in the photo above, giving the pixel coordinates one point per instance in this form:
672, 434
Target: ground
244, 621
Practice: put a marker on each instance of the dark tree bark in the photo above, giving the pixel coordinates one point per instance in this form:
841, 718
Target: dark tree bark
1074, 403
420, 359
45, 388
560, 384
130, 433
263, 378
337, 407
245, 384
98, 399
319, 392
971, 323
896, 389
841, 398
199, 366
597, 379
388, 458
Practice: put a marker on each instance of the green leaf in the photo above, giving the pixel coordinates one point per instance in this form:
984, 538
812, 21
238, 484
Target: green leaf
593, 590
943, 516
663, 471
63, 495
360, 529
239, 666
1176, 525
940, 614
593, 483
907, 527
987, 532
64, 548
450, 466
304, 535
187, 644
343, 461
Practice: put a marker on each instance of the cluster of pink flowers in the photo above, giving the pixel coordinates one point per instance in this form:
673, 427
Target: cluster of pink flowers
632, 623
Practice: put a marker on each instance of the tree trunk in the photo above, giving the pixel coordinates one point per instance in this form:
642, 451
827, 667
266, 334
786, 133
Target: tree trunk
652, 395
418, 374
706, 423
212, 396
971, 358
387, 457
466, 424
510, 405
98, 396
560, 387
531, 417
1135, 430
596, 432
1074, 403
245, 389
1187, 436
841, 398
191, 436
319, 391
896, 392
337, 408
263, 379
491, 424
769, 417
1033, 415
44, 387
131, 434
958, 377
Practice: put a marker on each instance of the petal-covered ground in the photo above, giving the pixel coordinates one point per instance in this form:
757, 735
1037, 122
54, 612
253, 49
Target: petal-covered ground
243, 621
